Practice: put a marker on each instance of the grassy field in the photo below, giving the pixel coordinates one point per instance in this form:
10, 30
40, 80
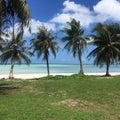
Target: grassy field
61, 98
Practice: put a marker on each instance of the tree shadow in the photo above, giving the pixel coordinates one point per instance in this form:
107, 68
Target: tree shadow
6, 88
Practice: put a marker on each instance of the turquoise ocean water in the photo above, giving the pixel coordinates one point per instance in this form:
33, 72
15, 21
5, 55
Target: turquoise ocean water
55, 68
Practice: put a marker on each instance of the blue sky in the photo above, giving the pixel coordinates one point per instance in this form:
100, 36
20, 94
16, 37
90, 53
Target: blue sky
55, 13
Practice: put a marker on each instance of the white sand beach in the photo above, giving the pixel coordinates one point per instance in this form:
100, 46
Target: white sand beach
33, 76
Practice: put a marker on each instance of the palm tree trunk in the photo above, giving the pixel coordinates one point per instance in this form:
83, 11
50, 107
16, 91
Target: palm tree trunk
107, 67
47, 65
80, 60
13, 32
81, 66
11, 70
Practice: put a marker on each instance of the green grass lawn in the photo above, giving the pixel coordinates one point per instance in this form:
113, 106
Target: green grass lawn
61, 98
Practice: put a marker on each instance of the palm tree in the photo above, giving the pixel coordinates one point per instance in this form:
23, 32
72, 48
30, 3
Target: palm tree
107, 42
75, 41
15, 52
43, 44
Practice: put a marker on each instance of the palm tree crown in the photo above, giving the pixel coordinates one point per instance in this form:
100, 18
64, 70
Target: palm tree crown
43, 44
15, 51
18, 12
107, 42
15, 11
76, 42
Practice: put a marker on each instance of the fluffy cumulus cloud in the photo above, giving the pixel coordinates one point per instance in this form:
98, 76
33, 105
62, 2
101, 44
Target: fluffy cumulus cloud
109, 9
73, 10
104, 10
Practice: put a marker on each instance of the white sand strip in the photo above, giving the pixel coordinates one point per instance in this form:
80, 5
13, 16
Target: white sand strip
33, 76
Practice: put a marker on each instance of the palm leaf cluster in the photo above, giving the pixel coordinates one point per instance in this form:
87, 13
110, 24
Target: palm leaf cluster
15, 11
15, 51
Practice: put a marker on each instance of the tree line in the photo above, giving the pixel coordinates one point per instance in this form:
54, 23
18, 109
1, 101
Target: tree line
105, 38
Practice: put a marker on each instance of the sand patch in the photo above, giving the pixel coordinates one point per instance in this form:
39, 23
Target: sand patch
31, 89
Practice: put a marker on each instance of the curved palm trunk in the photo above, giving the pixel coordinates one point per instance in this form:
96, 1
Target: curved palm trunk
11, 70
47, 65
80, 60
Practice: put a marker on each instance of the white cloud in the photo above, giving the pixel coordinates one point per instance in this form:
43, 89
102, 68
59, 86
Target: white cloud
73, 10
73, 7
109, 9
104, 10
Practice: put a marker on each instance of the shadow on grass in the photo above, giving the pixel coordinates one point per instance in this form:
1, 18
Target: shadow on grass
6, 88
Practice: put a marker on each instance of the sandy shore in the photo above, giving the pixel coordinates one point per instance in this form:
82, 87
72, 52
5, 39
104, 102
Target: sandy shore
33, 76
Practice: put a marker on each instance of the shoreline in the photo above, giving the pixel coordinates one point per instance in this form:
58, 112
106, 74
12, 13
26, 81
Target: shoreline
35, 76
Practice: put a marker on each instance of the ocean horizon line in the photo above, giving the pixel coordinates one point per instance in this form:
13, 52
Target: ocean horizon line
59, 64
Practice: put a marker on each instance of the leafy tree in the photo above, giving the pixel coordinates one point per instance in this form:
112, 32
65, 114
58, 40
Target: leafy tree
44, 44
15, 52
107, 42
75, 41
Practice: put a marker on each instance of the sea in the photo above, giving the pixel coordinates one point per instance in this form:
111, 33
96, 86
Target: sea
56, 68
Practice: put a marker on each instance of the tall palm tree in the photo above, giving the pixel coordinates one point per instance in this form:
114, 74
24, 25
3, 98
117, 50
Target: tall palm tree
75, 41
43, 44
15, 52
107, 42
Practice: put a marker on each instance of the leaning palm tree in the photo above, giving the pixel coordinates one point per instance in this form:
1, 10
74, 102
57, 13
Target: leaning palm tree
15, 52
107, 42
75, 41
43, 44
